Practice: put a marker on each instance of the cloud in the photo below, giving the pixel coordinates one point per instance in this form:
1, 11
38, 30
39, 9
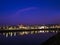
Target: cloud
25, 9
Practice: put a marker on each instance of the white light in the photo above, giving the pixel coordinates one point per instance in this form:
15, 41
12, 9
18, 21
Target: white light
32, 32
6, 34
46, 31
42, 27
14, 33
41, 31
36, 32
11, 33
21, 33
26, 32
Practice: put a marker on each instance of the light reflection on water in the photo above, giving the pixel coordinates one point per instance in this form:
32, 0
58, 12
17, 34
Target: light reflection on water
7, 34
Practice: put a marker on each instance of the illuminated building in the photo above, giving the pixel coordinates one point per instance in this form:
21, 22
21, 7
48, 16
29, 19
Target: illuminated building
57, 26
23, 27
10, 28
32, 27
3, 27
28, 27
41, 27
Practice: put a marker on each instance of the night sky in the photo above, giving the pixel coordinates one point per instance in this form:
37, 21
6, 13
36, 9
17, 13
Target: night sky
14, 12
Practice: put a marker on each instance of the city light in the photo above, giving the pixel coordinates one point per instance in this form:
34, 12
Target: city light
28, 27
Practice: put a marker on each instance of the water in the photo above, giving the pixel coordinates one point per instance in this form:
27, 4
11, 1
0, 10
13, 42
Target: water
25, 37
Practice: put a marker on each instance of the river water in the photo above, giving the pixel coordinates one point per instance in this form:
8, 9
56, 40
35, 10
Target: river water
24, 37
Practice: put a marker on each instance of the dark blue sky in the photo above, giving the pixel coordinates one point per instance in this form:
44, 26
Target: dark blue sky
29, 12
